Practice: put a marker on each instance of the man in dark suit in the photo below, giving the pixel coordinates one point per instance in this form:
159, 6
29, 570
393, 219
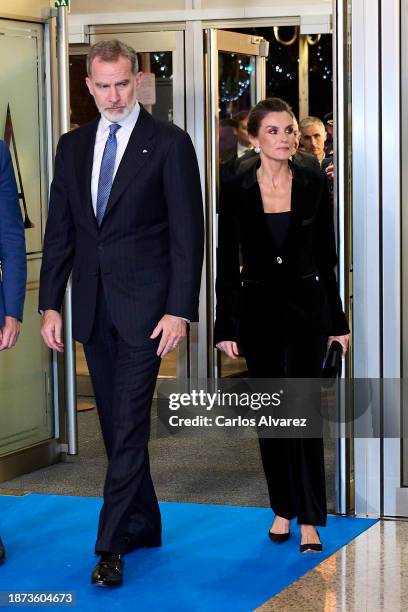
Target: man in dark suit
313, 138
13, 267
126, 218
229, 165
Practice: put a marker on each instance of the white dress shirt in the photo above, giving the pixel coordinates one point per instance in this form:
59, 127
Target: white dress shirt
241, 149
122, 138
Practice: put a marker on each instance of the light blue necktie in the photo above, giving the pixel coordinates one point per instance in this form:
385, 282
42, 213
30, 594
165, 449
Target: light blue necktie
106, 172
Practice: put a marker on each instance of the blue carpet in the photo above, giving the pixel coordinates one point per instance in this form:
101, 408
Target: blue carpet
214, 558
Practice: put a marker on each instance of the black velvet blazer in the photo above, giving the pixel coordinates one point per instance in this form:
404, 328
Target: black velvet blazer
300, 278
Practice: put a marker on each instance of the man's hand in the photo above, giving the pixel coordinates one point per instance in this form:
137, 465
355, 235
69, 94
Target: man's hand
51, 330
228, 347
173, 330
9, 333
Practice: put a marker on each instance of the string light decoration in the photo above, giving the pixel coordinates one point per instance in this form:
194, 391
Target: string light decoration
162, 66
233, 86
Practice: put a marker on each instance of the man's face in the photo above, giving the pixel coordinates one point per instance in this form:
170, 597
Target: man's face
313, 138
242, 132
113, 86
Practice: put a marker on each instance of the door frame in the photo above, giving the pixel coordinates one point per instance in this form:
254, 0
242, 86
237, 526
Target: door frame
49, 451
216, 40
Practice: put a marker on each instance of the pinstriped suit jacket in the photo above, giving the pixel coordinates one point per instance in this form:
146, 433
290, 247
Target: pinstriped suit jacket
148, 250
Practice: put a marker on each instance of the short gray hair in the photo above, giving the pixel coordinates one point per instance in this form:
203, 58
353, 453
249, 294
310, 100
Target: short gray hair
111, 51
307, 121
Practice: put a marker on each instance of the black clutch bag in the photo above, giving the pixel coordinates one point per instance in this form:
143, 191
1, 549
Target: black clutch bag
332, 364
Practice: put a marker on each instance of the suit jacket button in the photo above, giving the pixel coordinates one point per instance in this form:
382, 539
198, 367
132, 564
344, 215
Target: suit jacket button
279, 260
317, 278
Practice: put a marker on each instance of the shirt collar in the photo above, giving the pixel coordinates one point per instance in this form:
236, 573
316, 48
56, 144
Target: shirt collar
128, 122
241, 149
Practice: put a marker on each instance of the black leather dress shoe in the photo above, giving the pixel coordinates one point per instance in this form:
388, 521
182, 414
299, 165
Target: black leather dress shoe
2, 552
133, 541
109, 571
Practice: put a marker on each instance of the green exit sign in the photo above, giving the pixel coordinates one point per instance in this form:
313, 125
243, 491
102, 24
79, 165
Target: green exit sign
61, 3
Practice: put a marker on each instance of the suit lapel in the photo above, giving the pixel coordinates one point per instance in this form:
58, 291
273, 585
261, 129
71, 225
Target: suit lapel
84, 163
137, 152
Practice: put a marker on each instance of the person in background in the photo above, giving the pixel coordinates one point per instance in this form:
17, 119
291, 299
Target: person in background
299, 157
227, 139
313, 138
13, 264
241, 149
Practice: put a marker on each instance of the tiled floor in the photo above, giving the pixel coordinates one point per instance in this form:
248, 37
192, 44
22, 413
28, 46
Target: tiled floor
368, 575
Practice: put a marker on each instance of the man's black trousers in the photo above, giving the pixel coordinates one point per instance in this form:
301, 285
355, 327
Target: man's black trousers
123, 379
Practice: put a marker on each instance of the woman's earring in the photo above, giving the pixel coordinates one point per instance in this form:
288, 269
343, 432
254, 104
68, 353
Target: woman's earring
257, 149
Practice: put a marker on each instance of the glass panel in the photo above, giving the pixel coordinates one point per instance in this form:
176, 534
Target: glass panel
282, 63
237, 87
236, 74
21, 116
83, 107
157, 83
156, 95
321, 76
404, 235
348, 193
26, 415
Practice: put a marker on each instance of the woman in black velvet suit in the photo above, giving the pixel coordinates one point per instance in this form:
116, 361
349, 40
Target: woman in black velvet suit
284, 306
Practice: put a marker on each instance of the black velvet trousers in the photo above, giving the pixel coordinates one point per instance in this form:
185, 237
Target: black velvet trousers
123, 378
294, 467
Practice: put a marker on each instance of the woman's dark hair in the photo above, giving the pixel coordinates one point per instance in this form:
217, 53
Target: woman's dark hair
263, 108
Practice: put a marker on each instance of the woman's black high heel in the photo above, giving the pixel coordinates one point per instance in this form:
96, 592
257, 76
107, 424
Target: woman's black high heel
278, 538
311, 548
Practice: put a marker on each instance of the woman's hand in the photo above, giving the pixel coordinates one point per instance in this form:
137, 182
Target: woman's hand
343, 340
228, 347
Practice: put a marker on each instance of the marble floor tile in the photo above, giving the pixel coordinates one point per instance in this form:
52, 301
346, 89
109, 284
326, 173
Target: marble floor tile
370, 574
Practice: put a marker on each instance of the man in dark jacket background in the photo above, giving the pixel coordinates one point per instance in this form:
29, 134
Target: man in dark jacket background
13, 267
